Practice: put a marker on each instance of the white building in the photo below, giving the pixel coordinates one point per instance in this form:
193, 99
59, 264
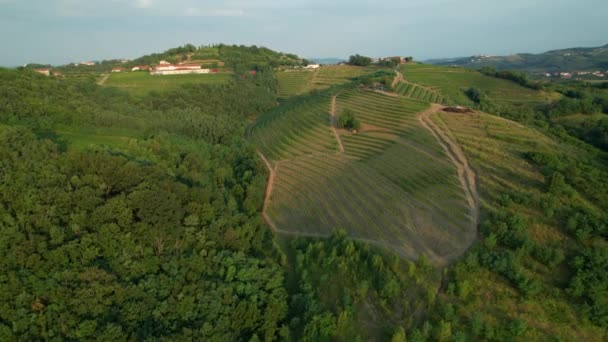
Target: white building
180, 69
45, 72
312, 66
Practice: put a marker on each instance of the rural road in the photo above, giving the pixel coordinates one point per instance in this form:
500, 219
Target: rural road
466, 175
332, 123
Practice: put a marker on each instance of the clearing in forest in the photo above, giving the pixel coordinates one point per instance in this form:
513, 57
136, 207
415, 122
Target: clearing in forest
394, 184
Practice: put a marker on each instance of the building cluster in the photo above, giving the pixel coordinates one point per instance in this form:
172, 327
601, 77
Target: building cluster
166, 68
577, 73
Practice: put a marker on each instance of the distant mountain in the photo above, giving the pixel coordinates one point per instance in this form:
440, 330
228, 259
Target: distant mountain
326, 60
572, 59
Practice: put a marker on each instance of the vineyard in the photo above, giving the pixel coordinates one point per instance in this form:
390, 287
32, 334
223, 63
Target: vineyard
418, 92
452, 82
294, 82
393, 186
298, 82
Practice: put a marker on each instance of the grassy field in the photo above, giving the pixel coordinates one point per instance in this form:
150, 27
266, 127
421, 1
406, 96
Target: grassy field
84, 140
393, 185
495, 148
141, 83
452, 82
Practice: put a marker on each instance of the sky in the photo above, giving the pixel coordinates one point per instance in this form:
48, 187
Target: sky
63, 31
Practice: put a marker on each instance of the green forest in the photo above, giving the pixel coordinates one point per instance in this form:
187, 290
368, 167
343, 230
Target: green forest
159, 235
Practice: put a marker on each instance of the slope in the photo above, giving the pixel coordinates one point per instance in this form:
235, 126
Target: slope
393, 185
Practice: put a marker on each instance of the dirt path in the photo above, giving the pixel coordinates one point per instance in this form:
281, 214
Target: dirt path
397, 79
269, 187
466, 175
103, 80
332, 123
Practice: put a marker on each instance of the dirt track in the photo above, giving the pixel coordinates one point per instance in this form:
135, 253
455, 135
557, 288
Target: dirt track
103, 80
269, 187
332, 112
466, 175
397, 79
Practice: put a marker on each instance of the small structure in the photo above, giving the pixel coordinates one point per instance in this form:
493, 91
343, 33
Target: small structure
458, 109
312, 66
88, 63
118, 69
163, 62
140, 68
45, 72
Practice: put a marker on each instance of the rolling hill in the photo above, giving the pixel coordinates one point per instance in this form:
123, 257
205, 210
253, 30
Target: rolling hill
393, 184
572, 59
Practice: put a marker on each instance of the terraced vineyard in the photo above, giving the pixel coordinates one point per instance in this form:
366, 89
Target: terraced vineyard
332, 75
451, 83
294, 82
393, 186
297, 129
418, 92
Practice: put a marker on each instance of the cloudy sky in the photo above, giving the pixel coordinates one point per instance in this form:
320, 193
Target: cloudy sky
61, 31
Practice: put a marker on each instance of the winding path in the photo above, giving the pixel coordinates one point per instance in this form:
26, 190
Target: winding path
466, 175
332, 113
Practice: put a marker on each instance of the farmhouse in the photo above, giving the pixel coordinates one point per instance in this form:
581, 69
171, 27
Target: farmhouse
45, 72
180, 69
140, 67
115, 69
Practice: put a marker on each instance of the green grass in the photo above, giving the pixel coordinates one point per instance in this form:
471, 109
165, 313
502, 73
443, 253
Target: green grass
393, 186
84, 140
452, 82
141, 83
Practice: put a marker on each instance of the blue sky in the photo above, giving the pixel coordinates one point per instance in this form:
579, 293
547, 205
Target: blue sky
62, 31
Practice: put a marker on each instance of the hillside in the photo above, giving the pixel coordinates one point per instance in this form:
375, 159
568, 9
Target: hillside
377, 184
563, 60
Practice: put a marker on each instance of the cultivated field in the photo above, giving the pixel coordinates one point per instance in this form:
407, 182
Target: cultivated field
452, 82
141, 83
394, 185
294, 82
417, 92
298, 82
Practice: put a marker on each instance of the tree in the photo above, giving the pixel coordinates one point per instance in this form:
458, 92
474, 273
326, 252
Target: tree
359, 60
348, 120
474, 94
